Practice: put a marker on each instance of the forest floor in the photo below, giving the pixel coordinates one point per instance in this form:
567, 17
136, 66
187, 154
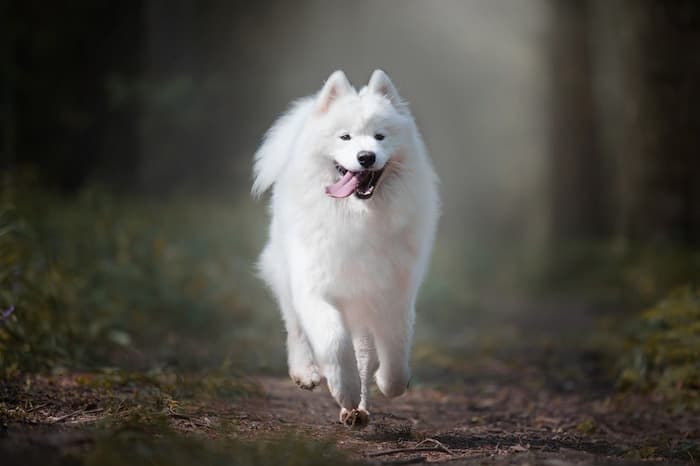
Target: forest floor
512, 364
504, 414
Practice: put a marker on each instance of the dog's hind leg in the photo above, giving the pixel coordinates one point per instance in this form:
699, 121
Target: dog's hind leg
392, 336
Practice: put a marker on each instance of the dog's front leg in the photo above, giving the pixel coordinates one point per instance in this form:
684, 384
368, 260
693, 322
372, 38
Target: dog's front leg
302, 368
332, 346
367, 364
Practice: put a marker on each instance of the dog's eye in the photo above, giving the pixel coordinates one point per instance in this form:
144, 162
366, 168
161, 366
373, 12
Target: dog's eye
379, 136
345, 137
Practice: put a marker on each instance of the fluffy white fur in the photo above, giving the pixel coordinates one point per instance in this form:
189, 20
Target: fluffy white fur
346, 272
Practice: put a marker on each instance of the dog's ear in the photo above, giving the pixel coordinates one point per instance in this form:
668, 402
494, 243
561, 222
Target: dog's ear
336, 86
380, 84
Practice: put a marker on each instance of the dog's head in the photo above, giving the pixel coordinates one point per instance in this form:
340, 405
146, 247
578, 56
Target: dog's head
362, 134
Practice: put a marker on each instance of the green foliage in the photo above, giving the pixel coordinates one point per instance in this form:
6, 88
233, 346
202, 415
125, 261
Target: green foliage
664, 354
38, 333
96, 280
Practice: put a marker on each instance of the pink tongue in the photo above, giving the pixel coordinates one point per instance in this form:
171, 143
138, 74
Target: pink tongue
343, 187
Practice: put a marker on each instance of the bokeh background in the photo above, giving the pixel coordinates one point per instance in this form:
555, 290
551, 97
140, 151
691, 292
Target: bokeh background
565, 134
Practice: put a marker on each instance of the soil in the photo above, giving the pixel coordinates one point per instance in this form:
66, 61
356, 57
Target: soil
554, 404
505, 417
467, 425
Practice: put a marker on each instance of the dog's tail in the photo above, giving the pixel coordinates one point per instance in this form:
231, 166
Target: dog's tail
278, 146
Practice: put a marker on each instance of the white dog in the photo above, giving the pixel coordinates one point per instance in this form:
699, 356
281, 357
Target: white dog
354, 211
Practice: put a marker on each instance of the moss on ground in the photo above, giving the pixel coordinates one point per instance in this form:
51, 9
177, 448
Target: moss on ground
136, 446
664, 350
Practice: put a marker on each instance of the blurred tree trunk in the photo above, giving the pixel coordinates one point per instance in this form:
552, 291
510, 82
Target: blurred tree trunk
57, 60
579, 189
169, 64
121, 67
660, 166
8, 76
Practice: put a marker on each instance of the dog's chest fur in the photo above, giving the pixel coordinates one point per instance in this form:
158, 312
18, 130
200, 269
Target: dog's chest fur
350, 253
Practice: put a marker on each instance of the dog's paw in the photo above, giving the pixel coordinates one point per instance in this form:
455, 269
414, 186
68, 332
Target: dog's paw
307, 378
355, 418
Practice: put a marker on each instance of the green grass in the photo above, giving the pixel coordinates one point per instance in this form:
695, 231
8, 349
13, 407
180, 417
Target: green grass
98, 280
664, 350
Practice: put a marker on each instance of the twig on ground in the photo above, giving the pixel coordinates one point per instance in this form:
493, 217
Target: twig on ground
75, 413
179, 415
403, 450
66, 416
609, 431
191, 419
120, 406
34, 408
436, 443
436, 446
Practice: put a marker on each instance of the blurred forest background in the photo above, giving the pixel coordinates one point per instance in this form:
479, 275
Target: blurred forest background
566, 135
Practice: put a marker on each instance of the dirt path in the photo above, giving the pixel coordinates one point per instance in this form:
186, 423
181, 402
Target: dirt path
504, 424
513, 420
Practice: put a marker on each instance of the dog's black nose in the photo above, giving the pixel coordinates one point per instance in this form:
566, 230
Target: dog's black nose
366, 158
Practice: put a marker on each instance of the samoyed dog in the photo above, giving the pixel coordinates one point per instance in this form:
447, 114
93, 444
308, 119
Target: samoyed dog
354, 210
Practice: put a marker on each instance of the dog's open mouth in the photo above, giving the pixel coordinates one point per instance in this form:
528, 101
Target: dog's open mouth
362, 183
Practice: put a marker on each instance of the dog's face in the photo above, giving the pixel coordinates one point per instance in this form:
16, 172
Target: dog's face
361, 134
